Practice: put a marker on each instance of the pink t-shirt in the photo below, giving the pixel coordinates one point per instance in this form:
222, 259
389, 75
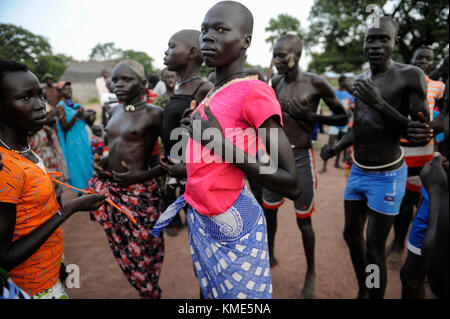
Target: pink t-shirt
241, 108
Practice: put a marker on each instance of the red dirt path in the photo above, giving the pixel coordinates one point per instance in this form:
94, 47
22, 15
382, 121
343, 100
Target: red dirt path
101, 277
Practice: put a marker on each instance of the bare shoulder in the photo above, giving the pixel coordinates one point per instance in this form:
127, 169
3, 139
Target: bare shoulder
154, 109
412, 75
319, 82
276, 80
204, 90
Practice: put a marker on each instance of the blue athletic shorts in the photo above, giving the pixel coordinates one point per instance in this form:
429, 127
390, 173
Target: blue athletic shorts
419, 226
383, 191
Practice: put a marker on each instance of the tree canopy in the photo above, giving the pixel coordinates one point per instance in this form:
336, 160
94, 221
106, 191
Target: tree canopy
338, 28
19, 44
108, 51
282, 25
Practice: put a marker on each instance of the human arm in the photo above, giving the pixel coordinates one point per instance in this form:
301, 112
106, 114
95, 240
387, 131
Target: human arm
367, 92
435, 245
13, 253
66, 126
280, 175
328, 151
299, 110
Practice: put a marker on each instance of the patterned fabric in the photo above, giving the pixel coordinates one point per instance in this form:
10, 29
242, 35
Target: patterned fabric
138, 254
30, 188
229, 251
45, 143
55, 292
76, 146
8, 289
419, 156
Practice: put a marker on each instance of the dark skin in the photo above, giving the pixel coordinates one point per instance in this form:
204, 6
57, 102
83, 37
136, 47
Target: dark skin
344, 85
299, 94
184, 57
385, 96
131, 135
424, 59
434, 177
223, 42
23, 112
434, 259
66, 94
169, 78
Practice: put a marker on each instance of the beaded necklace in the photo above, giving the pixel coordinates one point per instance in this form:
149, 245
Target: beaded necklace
13, 150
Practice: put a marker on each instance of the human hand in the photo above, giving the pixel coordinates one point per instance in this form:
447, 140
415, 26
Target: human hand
419, 132
100, 164
366, 91
83, 203
433, 174
130, 177
210, 126
327, 152
176, 170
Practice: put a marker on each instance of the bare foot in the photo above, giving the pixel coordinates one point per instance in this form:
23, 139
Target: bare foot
308, 288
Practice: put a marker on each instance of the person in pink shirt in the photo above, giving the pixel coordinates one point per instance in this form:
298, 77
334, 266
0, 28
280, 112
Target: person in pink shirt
227, 227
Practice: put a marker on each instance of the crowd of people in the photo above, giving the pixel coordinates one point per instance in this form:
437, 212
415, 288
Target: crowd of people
186, 142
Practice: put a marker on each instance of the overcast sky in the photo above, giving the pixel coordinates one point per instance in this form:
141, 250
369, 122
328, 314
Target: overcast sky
74, 27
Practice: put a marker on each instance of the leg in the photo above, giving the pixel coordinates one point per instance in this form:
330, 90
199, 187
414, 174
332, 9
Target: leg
308, 238
413, 276
338, 155
331, 140
271, 219
401, 225
355, 219
378, 228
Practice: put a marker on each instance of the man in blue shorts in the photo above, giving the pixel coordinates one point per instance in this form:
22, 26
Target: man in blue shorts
385, 96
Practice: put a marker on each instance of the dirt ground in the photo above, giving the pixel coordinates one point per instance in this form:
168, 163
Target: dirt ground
101, 277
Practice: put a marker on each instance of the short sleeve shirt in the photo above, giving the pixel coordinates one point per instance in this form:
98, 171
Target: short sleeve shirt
213, 185
30, 188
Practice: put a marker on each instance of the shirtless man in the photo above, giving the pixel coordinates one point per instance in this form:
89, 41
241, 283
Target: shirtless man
299, 94
385, 96
416, 156
128, 176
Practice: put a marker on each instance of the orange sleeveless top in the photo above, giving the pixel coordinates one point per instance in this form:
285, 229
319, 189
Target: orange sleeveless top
30, 188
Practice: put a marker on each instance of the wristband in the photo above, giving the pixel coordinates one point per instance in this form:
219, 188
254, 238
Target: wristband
61, 214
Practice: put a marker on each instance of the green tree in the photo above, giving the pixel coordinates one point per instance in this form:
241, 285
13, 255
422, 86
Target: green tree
105, 51
337, 29
19, 44
282, 25
141, 57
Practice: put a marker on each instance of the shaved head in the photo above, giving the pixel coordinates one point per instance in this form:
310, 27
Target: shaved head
294, 41
238, 10
189, 37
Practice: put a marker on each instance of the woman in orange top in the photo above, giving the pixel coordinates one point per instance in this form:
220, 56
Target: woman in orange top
31, 240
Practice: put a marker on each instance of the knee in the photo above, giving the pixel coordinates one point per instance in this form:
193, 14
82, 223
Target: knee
351, 237
305, 225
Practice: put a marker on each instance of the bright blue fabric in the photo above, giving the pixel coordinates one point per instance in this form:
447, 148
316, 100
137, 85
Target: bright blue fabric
229, 251
76, 148
383, 191
419, 225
